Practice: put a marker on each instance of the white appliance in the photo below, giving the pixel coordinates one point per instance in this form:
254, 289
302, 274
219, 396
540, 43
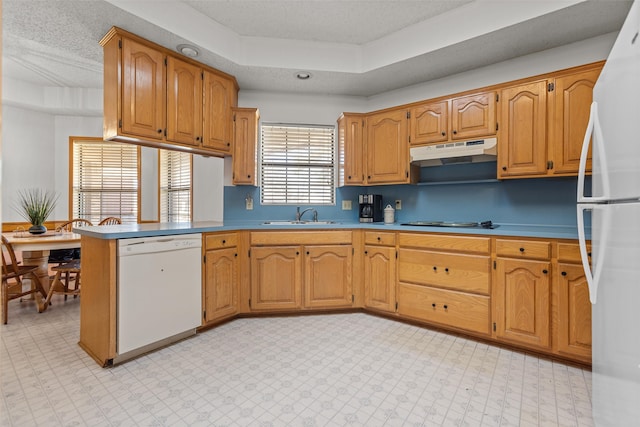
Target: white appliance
479, 150
614, 276
159, 292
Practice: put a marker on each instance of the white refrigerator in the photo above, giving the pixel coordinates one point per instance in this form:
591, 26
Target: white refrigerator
614, 203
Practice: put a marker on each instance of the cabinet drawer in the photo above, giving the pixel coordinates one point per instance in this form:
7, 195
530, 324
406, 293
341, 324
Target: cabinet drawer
468, 273
570, 252
523, 249
449, 308
289, 237
220, 240
481, 245
384, 238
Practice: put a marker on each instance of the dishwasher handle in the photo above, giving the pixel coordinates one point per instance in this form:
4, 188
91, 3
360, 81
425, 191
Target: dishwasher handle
139, 246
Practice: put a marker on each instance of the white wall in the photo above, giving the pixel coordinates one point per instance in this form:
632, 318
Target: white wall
571, 55
28, 155
208, 196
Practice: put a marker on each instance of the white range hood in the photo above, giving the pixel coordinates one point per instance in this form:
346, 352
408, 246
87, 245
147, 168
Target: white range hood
479, 150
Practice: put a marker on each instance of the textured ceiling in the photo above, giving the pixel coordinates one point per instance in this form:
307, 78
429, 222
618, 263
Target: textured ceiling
55, 43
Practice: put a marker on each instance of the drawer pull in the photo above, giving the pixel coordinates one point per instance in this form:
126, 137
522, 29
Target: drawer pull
445, 306
433, 305
521, 249
224, 241
379, 238
446, 269
435, 268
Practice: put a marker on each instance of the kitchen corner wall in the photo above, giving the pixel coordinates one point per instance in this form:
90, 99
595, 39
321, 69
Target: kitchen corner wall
477, 197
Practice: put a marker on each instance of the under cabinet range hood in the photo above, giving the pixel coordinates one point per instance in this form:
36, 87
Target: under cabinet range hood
479, 150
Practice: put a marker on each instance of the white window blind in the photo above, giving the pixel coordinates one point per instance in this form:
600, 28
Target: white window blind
175, 186
105, 181
297, 164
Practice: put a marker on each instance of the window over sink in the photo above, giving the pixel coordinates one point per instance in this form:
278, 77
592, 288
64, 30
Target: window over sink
297, 164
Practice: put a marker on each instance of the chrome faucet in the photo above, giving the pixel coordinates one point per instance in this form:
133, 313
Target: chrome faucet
299, 214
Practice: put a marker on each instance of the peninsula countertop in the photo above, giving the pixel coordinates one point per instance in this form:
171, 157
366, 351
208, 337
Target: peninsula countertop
126, 231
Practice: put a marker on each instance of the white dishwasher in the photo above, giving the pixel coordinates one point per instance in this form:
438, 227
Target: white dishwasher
159, 292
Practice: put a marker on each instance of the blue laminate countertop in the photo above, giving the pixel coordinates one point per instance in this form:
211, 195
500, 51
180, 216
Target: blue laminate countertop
126, 231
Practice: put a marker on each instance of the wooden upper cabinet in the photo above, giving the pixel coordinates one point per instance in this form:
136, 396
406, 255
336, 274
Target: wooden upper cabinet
429, 123
217, 114
473, 116
245, 136
156, 97
143, 90
351, 129
573, 95
388, 148
522, 134
184, 102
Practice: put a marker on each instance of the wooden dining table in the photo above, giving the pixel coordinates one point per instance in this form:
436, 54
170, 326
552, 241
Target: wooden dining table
35, 249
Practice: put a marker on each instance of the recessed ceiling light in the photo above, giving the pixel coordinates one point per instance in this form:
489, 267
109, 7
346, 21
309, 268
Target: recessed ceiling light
303, 75
188, 50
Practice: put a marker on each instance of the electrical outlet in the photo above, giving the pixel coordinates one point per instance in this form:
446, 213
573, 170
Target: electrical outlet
249, 203
346, 205
398, 205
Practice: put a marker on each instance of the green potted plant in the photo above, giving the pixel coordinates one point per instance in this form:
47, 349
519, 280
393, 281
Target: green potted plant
35, 206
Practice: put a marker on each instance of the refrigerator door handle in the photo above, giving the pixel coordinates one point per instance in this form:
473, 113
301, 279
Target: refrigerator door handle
593, 129
593, 276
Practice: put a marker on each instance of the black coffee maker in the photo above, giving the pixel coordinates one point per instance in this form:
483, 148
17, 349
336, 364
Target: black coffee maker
370, 208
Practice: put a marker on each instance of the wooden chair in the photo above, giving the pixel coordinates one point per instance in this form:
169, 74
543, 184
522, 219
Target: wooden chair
111, 220
60, 256
60, 287
12, 275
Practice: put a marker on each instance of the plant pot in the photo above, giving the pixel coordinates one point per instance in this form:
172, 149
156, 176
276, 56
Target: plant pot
37, 229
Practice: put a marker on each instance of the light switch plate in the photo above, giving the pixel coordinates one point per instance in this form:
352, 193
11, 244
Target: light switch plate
249, 203
398, 205
346, 205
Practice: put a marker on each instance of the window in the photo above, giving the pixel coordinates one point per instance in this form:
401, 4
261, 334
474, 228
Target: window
105, 180
297, 164
175, 186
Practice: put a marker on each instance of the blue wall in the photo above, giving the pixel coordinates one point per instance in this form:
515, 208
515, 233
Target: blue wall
549, 201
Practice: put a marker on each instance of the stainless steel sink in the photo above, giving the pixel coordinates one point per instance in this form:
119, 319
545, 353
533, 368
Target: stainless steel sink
298, 222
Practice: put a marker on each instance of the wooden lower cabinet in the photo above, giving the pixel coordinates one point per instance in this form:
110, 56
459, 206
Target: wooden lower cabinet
444, 307
521, 302
380, 277
328, 276
276, 274
573, 311
220, 284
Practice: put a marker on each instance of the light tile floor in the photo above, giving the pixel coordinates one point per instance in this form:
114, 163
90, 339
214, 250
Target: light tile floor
333, 370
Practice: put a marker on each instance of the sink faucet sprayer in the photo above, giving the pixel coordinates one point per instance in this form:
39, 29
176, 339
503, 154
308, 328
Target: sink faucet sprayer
299, 214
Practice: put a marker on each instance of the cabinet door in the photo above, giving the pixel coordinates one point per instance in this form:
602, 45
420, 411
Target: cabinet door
522, 301
351, 146
428, 123
573, 97
387, 148
143, 90
276, 277
217, 115
184, 102
473, 116
380, 277
522, 147
328, 271
573, 312
245, 135
221, 284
